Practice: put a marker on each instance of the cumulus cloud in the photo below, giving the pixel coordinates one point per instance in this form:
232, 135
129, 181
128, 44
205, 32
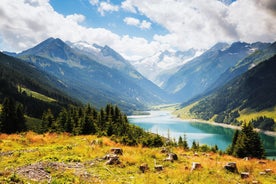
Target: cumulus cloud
93, 2
145, 25
20, 30
190, 24
107, 7
76, 18
126, 5
201, 24
132, 21
136, 22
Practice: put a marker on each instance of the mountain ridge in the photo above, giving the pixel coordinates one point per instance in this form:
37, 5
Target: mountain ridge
199, 74
252, 91
92, 81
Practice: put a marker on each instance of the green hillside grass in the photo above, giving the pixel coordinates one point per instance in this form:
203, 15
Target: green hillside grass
36, 95
244, 98
247, 115
61, 158
184, 113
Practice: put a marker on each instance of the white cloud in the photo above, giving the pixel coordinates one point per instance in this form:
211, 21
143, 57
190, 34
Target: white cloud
145, 25
93, 2
201, 24
136, 22
20, 30
132, 21
193, 23
126, 5
107, 7
78, 18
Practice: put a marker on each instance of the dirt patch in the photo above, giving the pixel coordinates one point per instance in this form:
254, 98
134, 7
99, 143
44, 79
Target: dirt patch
41, 171
35, 172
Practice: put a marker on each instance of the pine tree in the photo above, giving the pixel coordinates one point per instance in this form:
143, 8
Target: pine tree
8, 116
47, 121
248, 143
20, 119
230, 149
185, 143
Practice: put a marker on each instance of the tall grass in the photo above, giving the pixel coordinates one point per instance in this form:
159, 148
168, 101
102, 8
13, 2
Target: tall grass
78, 159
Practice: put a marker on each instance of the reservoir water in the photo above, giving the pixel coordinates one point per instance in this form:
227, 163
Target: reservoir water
165, 124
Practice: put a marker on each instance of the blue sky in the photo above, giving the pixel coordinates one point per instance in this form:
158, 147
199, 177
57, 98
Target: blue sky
137, 28
111, 20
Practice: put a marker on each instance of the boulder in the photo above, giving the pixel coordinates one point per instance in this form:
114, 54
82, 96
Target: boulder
143, 167
158, 167
117, 151
196, 165
171, 157
113, 161
232, 167
244, 175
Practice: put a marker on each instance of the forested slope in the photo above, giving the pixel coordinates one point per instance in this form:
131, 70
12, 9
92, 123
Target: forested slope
16, 75
254, 90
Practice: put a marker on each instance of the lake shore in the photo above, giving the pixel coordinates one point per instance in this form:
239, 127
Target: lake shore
270, 133
171, 111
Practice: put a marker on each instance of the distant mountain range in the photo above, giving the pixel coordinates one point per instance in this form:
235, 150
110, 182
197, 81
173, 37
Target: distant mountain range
90, 73
160, 66
253, 91
99, 77
200, 74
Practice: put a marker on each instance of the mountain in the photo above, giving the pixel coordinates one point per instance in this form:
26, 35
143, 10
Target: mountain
103, 55
18, 78
246, 64
160, 66
98, 77
253, 91
199, 74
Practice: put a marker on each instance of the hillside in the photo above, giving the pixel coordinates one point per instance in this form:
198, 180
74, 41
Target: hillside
31, 87
60, 158
199, 74
253, 92
245, 64
100, 79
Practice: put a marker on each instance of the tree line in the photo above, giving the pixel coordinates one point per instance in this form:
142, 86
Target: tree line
79, 120
110, 121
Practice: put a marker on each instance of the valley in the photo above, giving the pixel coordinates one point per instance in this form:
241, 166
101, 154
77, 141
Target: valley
138, 92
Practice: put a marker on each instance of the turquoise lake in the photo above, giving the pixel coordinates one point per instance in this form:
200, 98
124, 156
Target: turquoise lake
165, 124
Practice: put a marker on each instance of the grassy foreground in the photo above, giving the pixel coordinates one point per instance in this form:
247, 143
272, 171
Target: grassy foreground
61, 158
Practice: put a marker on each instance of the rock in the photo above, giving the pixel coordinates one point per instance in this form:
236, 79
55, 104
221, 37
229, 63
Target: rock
171, 157
158, 167
113, 161
164, 150
143, 167
232, 167
268, 171
244, 175
196, 165
108, 156
262, 162
117, 151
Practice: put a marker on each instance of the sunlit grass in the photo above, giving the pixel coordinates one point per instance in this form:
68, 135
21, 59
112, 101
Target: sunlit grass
184, 113
77, 159
36, 95
247, 115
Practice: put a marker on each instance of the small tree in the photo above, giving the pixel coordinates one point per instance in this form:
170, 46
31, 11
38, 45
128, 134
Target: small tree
12, 117
248, 143
182, 142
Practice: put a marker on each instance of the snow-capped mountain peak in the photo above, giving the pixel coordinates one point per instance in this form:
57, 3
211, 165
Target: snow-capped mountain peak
162, 64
